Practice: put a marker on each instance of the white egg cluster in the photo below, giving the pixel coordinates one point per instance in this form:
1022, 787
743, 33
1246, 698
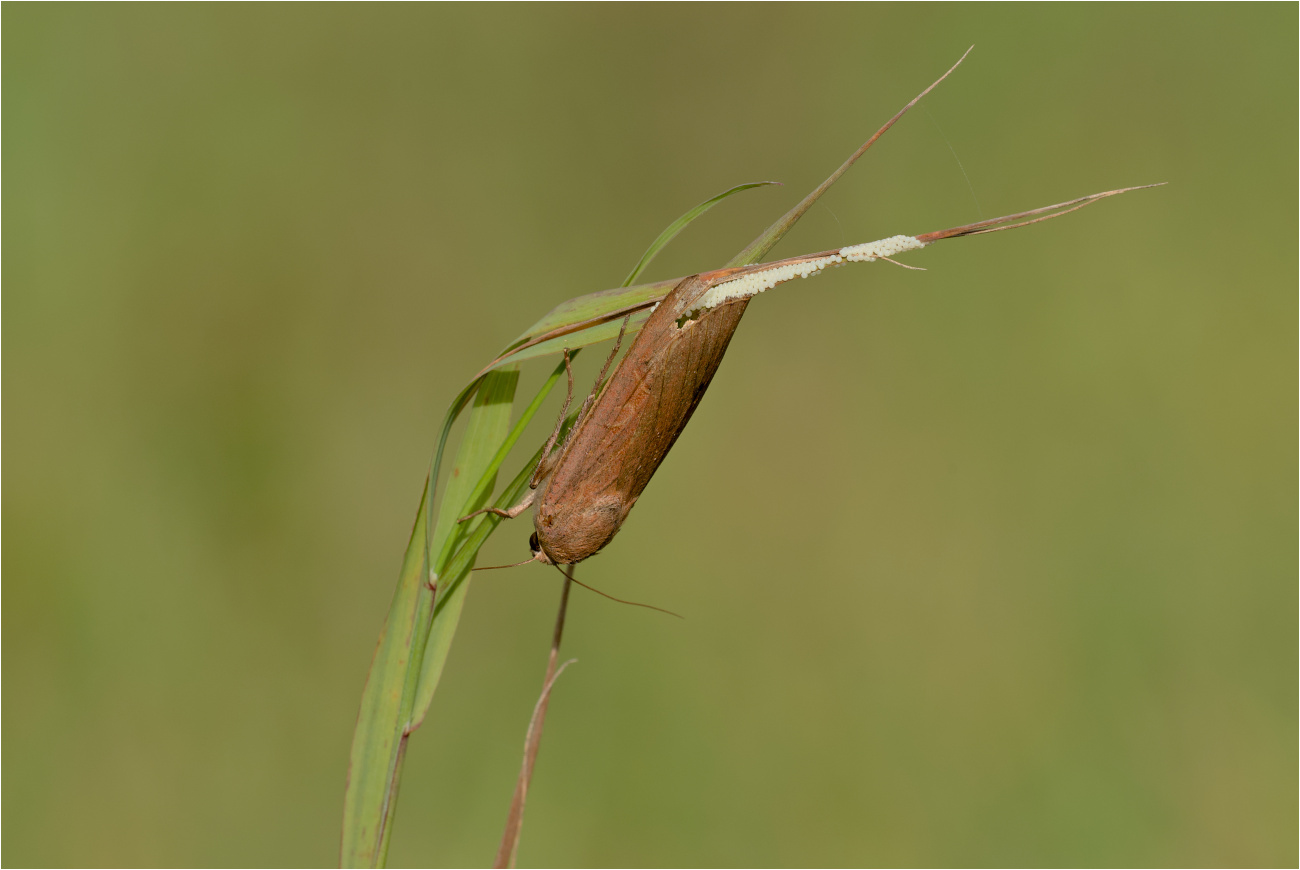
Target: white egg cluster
756, 282
883, 248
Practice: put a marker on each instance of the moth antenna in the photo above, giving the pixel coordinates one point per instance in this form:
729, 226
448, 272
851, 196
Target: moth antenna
569, 576
515, 565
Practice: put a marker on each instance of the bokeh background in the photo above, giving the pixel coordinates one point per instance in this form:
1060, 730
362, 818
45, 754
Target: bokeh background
990, 564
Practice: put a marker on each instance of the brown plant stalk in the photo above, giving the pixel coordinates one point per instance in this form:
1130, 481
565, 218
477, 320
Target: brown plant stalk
533, 740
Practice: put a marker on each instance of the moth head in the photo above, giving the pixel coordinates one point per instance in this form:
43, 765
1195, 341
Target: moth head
538, 554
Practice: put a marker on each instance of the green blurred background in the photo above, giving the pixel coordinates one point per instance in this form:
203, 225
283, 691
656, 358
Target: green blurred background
990, 564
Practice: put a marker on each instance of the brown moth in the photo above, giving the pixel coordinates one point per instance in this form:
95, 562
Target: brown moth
616, 447
619, 439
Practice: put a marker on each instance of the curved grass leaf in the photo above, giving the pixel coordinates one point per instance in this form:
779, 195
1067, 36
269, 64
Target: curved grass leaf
446, 614
453, 589
605, 328
379, 742
670, 232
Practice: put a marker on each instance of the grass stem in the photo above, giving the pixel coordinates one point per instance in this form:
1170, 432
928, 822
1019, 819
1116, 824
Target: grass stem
532, 742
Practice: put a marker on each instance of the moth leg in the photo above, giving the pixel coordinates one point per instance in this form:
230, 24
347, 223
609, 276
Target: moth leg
545, 464
600, 381
559, 424
508, 513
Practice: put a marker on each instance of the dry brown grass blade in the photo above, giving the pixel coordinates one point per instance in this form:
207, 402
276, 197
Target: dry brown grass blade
993, 225
533, 740
759, 248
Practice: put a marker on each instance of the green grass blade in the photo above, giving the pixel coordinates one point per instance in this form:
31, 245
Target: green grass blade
451, 599
613, 304
377, 739
480, 492
435, 465
514, 491
488, 426
591, 305
382, 724
671, 231
579, 338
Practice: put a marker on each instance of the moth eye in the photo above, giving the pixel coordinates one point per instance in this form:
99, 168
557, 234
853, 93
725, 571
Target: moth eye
533, 544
